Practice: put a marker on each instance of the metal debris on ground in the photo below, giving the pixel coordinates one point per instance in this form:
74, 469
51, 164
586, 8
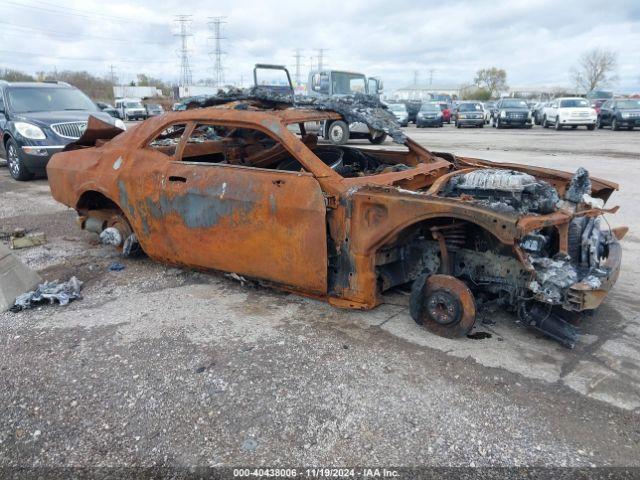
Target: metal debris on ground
116, 267
20, 239
49, 293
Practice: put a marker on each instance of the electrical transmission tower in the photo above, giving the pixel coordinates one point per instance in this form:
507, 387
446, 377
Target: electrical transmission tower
321, 58
215, 25
298, 58
184, 23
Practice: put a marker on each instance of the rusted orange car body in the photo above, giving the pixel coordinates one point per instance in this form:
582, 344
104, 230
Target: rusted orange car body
228, 202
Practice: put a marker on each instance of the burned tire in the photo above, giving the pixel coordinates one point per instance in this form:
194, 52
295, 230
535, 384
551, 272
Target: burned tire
338, 133
443, 305
377, 140
576, 227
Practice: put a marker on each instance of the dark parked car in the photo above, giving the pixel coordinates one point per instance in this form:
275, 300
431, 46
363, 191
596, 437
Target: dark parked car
153, 109
106, 108
620, 113
40, 119
429, 115
512, 112
469, 114
413, 107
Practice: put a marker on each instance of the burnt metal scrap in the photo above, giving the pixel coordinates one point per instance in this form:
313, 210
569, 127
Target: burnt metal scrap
234, 189
361, 108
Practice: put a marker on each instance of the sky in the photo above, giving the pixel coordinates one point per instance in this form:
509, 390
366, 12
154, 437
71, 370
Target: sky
536, 41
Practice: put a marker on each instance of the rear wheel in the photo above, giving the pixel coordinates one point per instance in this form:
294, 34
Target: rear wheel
15, 163
443, 305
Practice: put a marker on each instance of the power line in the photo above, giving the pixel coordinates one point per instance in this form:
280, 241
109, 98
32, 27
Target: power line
54, 57
46, 31
184, 22
218, 70
65, 11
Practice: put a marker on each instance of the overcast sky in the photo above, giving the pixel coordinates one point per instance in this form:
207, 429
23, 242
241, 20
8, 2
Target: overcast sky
535, 41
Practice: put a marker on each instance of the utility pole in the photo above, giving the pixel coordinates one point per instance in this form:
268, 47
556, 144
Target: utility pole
298, 57
184, 22
112, 74
431, 76
215, 25
415, 77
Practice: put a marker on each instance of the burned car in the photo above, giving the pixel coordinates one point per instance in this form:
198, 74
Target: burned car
243, 187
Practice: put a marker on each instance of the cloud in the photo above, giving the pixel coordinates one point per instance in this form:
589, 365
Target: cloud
537, 42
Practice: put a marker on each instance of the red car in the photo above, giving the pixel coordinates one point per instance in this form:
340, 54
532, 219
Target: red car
445, 108
597, 104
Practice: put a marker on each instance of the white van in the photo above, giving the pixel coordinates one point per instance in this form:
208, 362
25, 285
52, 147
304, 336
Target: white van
130, 109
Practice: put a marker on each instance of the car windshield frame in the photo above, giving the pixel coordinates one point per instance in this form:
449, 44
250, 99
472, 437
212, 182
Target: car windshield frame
477, 107
575, 103
398, 108
632, 104
54, 95
434, 107
513, 103
339, 80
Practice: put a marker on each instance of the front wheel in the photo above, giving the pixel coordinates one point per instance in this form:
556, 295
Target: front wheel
557, 125
377, 140
614, 125
443, 305
544, 122
498, 125
599, 123
591, 127
17, 169
338, 133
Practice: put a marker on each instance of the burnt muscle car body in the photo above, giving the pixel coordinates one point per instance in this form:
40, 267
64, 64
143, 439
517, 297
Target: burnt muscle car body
241, 187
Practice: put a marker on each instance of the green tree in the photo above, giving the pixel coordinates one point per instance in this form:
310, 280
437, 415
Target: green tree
492, 79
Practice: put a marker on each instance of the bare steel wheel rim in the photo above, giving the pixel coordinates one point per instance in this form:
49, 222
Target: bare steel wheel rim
336, 134
13, 161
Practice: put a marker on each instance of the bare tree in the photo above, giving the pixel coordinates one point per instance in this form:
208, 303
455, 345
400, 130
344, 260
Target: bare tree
492, 79
596, 68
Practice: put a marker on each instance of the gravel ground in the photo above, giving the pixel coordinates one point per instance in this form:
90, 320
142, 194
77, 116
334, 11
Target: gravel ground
160, 366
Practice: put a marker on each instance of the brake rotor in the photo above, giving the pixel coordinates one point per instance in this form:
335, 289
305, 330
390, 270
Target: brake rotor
444, 305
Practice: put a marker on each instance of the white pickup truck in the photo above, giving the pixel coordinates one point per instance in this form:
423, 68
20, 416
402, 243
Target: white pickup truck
569, 112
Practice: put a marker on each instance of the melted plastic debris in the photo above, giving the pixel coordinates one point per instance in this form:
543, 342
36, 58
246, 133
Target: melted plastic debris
357, 108
553, 276
49, 293
579, 186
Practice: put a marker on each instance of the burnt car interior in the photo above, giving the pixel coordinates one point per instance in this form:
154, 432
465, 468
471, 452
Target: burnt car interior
220, 144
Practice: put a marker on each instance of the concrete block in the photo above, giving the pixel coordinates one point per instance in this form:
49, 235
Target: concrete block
15, 278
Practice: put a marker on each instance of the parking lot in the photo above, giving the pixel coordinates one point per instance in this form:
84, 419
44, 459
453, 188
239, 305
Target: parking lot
161, 366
